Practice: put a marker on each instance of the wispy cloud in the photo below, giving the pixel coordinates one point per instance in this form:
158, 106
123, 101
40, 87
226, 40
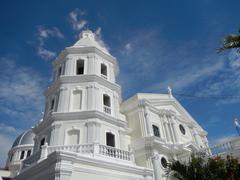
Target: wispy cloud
227, 81
20, 92
43, 34
188, 77
99, 38
149, 63
77, 20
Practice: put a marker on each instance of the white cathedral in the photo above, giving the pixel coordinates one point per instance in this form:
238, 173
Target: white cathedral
88, 133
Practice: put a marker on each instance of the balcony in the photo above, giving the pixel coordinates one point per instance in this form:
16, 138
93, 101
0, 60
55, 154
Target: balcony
91, 150
107, 109
228, 147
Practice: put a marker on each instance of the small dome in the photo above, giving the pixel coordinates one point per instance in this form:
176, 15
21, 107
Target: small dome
25, 138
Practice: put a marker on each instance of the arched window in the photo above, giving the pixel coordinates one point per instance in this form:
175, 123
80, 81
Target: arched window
104, 70
73, 137
80, 67
156, 131
52, 103
22, 155
42, 142
11, 157
77, 100
110, 139
60, 71
106, 104
29, 153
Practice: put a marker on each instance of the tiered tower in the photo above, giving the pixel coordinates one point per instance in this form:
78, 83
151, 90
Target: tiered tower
82, 104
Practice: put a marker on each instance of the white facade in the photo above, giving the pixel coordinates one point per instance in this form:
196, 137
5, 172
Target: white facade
88, 133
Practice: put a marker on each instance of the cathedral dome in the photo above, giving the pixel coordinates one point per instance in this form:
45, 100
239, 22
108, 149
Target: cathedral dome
25, 138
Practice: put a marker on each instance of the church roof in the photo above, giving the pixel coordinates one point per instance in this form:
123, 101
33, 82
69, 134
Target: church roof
88, 39
25, 138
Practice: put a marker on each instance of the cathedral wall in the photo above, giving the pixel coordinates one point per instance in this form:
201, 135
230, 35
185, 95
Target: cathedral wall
98, 172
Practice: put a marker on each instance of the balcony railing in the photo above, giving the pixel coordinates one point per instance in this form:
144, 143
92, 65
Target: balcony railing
107, 109
94, 150
114, 152
227, 147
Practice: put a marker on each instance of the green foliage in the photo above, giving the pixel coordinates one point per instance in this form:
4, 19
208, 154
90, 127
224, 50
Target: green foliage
231, 42
204, 168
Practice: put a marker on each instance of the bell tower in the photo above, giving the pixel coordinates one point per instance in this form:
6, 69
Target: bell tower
82, 103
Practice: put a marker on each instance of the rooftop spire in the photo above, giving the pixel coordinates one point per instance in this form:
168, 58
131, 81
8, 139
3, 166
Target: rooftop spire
170, 91
87, 34
87, 39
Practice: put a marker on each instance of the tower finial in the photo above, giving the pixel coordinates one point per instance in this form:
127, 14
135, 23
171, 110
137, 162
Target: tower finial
87, 34
170, 91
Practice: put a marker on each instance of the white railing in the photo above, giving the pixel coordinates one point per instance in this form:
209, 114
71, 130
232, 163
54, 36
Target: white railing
107, 109
88, 149
83, 148
227, 147
114, 152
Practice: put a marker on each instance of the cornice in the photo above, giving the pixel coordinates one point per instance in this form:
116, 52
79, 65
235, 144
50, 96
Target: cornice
81, 115
86, 78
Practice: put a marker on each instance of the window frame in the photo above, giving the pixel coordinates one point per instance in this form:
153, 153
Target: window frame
76, 67
107, 108
114, 138
106, 70
22, 155
155, 127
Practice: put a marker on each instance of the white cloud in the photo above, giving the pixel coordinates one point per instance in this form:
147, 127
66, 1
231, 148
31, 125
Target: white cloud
43, 34
187, 77
99, 38
151, 64
76, 19
21, 92
45, 54
128, 48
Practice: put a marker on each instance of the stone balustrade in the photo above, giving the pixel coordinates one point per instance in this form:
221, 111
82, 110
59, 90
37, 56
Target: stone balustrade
93, 150
107, 109
114, 152
227, 147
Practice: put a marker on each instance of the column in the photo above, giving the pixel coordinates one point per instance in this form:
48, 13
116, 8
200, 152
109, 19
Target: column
93, 132
166, 128
156, 166
68, 67
171, 128
54, 134
175, 132
111, 73
148, 123
115, 108
90, 97
91, 64
122, 139
163, 133
62, 100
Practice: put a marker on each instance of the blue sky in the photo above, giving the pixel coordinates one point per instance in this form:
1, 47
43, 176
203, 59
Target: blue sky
157, 43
